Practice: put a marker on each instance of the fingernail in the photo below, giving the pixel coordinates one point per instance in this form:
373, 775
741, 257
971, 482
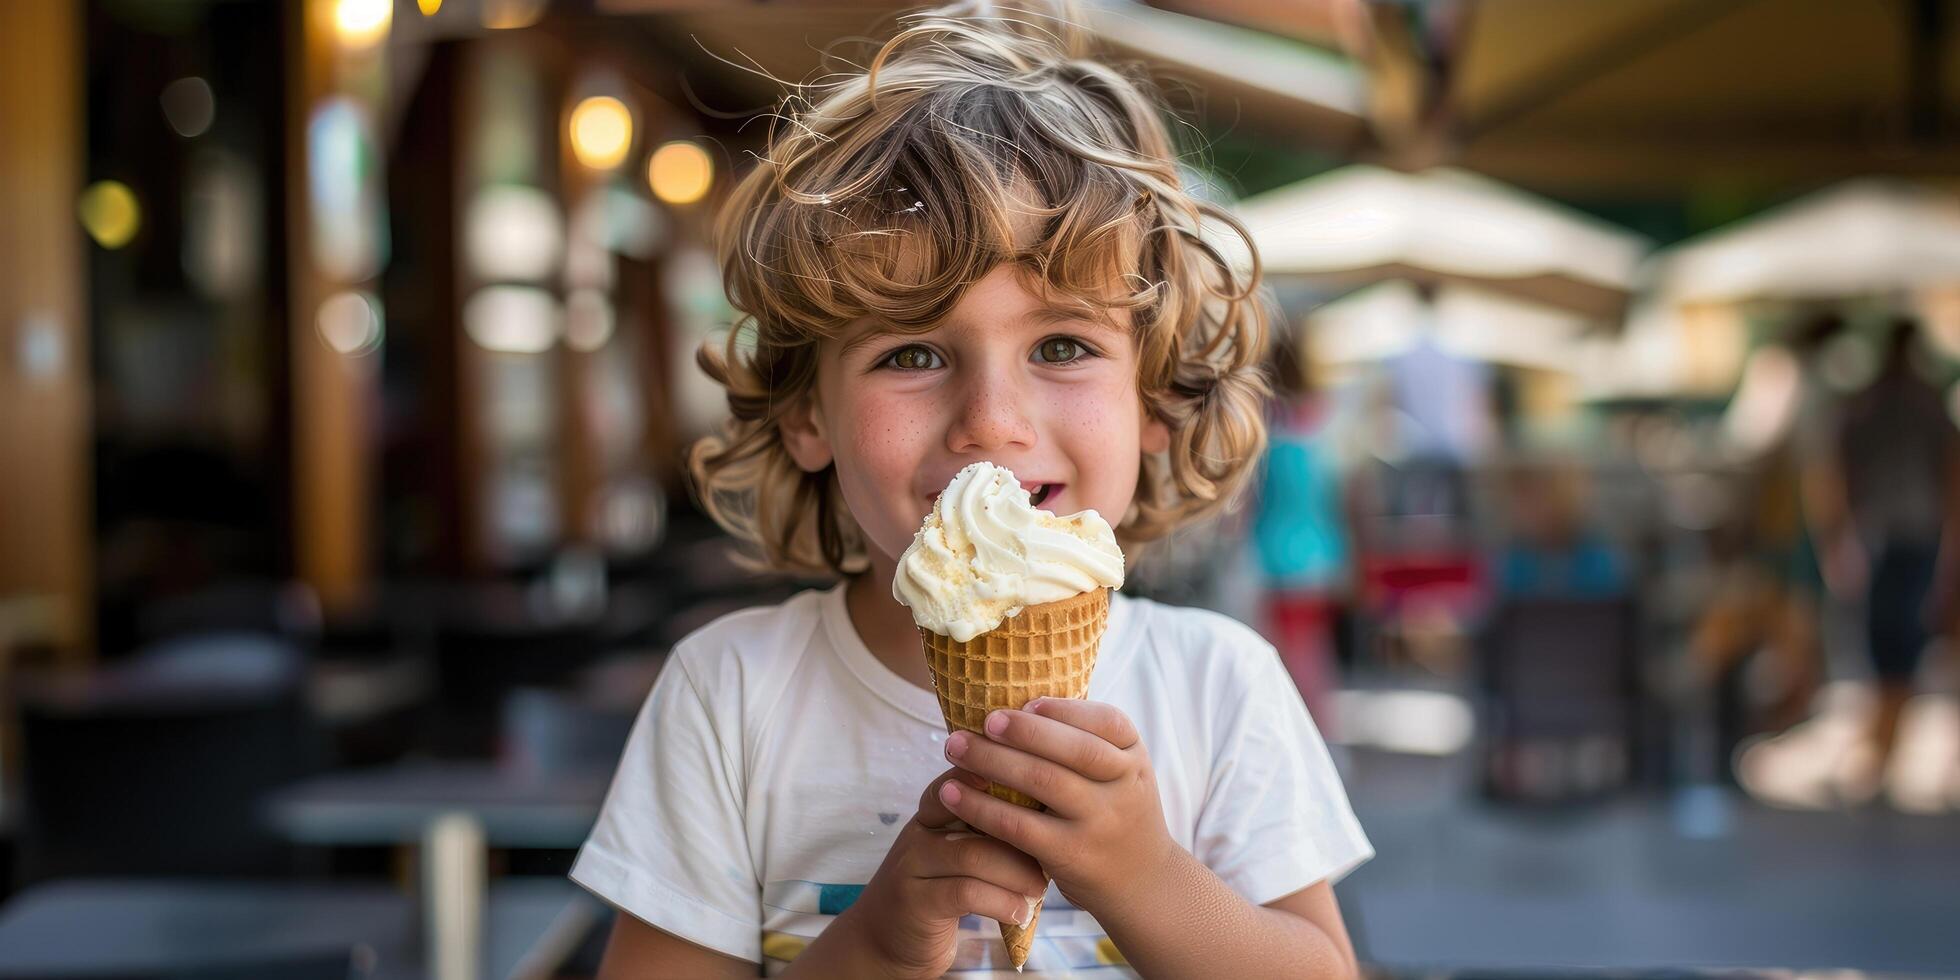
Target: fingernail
1027, 914
1034, 706
955, 745
997, 723
949, 793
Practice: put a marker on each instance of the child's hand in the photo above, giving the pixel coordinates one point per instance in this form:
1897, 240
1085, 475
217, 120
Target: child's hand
908, 916
1104, 828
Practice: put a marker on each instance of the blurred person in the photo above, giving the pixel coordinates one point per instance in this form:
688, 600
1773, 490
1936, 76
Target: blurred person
1767, 598
1430, 420
1418, 577
1553, 551
981, 253
1298, 531
1883, 502
1445, 399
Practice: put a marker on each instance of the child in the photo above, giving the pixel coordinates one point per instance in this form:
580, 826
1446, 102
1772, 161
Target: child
979, 249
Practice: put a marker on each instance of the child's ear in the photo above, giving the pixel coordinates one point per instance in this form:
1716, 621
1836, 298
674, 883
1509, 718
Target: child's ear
802, 430
1156, 435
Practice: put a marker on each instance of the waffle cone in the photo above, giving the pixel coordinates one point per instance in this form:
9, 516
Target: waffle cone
1046, 651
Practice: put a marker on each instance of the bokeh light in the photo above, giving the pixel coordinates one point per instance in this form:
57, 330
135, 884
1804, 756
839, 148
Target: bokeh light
350, 322
602, 132
189, 106
110, 212
362, 23
513, 232
680, 172
512, 319
428, 7
344, 193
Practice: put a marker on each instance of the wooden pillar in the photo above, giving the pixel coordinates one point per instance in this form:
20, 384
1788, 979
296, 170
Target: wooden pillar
332, 391
45, 490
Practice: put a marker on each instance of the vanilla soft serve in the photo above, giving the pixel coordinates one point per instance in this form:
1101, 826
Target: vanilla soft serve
985, 552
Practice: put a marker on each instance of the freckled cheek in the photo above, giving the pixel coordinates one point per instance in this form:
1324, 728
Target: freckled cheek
1106, 411
1099, 428
890, 436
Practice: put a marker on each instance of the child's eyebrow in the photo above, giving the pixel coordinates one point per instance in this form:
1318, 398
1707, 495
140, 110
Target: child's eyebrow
1045, 315
864, 338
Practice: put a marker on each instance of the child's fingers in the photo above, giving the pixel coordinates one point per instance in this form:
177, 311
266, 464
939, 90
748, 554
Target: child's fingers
969, 855
1028, 830
1061, 789
950, 898
933, 814
1086, 753
1094, 717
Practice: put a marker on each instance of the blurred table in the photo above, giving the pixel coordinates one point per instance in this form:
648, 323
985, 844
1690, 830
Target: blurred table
453, 811
394, 805
159, 927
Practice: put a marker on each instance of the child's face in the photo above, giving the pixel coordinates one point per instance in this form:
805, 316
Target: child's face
1003, 379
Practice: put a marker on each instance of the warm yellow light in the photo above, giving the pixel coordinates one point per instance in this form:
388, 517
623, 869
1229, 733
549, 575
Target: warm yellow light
429, 7
363, 22
505, 15
602, 132
680, 172
110, 213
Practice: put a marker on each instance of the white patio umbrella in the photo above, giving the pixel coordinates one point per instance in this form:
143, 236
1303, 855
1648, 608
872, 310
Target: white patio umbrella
1363, 224
1386, 320
1870, 236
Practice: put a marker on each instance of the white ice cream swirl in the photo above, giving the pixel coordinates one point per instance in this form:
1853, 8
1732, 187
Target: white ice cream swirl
985, 552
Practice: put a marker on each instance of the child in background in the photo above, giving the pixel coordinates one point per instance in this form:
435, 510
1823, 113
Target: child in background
979, 249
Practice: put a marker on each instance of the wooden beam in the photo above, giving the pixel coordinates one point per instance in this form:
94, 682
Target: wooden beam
1400, 88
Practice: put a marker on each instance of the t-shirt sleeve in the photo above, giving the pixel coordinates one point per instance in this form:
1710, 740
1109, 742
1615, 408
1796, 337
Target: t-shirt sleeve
1275, 817
670, 846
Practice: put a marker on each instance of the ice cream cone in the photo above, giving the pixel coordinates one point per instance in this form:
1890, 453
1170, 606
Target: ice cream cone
1047, 650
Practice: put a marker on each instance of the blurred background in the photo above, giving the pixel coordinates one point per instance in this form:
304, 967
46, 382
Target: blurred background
1607, 526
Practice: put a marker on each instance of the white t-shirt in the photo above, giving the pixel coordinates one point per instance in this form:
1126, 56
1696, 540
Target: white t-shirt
777, 759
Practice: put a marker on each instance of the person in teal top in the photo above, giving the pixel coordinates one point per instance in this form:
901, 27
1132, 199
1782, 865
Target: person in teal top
1298, 533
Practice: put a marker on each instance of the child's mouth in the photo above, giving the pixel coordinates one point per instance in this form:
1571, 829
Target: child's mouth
1038, 494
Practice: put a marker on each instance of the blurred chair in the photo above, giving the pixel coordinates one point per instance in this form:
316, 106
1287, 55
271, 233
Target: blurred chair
1561, 696
288, 609
158, 766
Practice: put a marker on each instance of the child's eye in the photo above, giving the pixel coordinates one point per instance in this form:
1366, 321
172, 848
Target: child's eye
1060, 350
913, 358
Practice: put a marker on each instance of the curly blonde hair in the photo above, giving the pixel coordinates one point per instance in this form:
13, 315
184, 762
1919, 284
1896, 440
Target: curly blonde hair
886, 193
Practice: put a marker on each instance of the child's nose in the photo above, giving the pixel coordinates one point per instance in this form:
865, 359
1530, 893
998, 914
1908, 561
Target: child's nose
992, 416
